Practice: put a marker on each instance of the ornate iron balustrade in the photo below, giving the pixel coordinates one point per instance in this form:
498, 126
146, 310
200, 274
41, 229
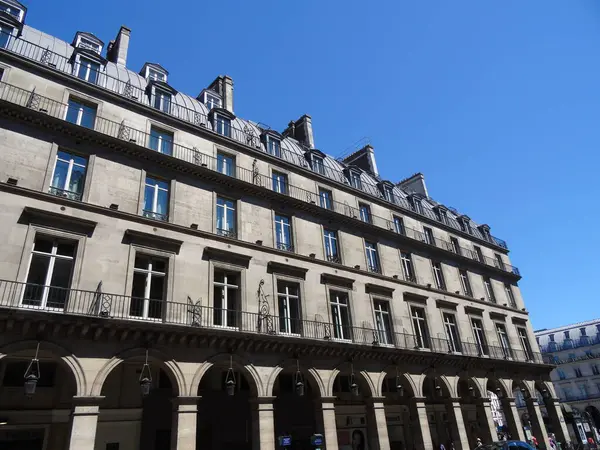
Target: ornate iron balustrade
247, 135
32, 100
59, 300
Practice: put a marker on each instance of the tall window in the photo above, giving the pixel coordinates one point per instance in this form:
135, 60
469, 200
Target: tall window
226, 299
331, 246
441, 215
355, 180
429, 238
383, 323
407, 266
415, 204
372, 257
280, 182
438, 275
509, 295
399, 225
578, 372
273, 146
365, 212
489, 290
283, 233
478, 253
50, 272
522, 332
211, 101
156, 199
5, 34
454, 246
81, 113
479, 334
503, 340
325, 198
225, 164
499, 262
87, 70
420, 327
149, 286
388, 193
68, 175
318, 165
162, 100
223, 125
452, 332
226, 220
595, 369
288, 300
161, 141
340, 315
465, 283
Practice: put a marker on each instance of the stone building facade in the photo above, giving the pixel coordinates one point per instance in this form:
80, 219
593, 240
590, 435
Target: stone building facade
174, 276
574, 350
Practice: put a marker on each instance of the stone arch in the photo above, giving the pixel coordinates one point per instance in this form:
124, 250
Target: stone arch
257, 386
466, 384
361, 376
173, 370
408, 382
545, 388
313, 378
594, 413
447, 385
67, 359
526, 387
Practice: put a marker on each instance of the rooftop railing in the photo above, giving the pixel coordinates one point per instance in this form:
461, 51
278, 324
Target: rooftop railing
126, 133
568, 344
246, 136
60, 300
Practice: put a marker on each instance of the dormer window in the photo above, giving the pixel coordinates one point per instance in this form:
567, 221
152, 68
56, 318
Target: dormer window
273, 146
465, 224
388, 191
210, 99
155, 75
162, 100
441, 214
355, 181
485, 231
88, 41
318, 164
12, 9
154, 72
415, 204
6, 34
86, 59
221, 120
87, 70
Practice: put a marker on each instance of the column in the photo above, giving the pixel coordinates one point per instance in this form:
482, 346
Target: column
513, 421
455, 416
557, 419
185, 411
263, 425
329, 423
84, 421
423, 434
537, 422
377, 425
486, 420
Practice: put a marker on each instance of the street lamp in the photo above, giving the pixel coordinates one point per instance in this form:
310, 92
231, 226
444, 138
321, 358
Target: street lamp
298, 383
32, 374
399, 387
145, 378
230, 379
353, 385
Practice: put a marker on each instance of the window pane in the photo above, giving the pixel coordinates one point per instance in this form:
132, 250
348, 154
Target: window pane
43, 244
138, 292
60, 174
141, 261
66, 248
162, 206
159, 265
61, 278
72, 112
88, 117
149, 198
38, 270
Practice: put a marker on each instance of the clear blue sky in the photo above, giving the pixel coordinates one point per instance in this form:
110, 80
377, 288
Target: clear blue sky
496, 102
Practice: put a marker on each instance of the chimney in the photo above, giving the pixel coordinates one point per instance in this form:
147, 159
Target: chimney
228, 93
414, 184
117, 49
363, 158
302, 131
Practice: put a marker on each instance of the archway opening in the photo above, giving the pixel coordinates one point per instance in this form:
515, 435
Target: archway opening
495, 393
397, 392
436, 393
225, 418
296, 402
39, 420
354, 427
130, 419
470, 402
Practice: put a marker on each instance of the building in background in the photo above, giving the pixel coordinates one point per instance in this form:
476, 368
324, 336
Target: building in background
575, 351
175, 276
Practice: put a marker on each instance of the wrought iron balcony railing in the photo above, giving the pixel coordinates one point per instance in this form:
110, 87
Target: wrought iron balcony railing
568, 344
247, 136
155, 215
64, 193
58, 300
30, 99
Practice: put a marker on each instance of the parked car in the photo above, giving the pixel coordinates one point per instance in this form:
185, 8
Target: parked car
507, 445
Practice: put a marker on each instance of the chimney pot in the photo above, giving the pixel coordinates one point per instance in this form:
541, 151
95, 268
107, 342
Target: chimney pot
117, 49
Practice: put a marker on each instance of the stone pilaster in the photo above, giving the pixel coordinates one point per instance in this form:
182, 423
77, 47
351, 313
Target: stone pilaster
486, 419
460, 438
418, 410
537, 423
557, 419
378, 432
515, 428
185, 414
84, 422
329, 424
264, 424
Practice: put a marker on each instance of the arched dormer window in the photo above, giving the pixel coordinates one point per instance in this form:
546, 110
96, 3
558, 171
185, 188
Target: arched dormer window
221, 120
387, 190
465, 223
485, 232
272, 142
88, 64
353, 175
210, 98
316, 159
12, 15
414, 200
441, 213
159, 92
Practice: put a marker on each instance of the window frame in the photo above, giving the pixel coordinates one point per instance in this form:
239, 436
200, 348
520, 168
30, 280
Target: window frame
421, 332
285, 246
399, 225
510, 295
79, 196
317, 164
10, 34
524, 341
372, 259
159, 135
332, 258
451, 331
148, 286
153, 214
280, 182
428, 236
505, 346
225, 167
465, 282
221, 121
286, 280
238, 299
325, 201
364, 211
164, 99
489, 289
340, 328
409, 273
233, 230
440, 282
78, 64
480, 338
76, 99
388, 330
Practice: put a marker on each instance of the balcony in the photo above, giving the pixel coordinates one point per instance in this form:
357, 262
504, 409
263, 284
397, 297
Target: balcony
246, 136
102, 305
584, 341
29, 99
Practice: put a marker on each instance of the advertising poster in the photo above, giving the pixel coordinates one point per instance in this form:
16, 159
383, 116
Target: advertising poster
352, 439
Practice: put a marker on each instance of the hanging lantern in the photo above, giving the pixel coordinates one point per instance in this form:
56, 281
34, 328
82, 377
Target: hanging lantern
353, 385
399, 387
230, 379
32, 374
438, 389
145, 378
298, 383
498, 392
545, 393
471, 391
524, 392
